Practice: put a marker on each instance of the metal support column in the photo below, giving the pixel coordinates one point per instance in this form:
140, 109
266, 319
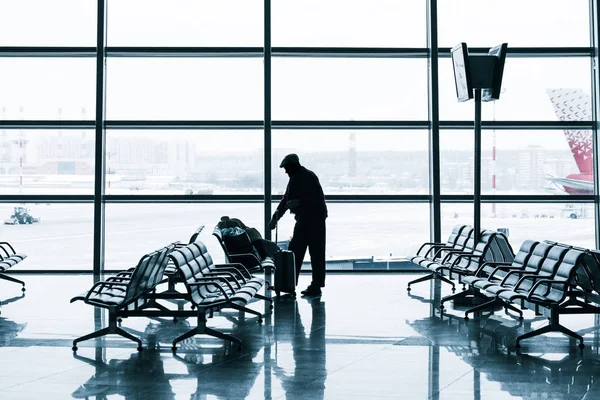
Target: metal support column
100, 140
477, 169
267, 115
434, 124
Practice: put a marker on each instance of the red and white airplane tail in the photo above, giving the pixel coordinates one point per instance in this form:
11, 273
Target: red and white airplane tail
575, 105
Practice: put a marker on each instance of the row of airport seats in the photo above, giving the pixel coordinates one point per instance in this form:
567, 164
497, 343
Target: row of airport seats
204, 286
548, 278
460, 256
8, 259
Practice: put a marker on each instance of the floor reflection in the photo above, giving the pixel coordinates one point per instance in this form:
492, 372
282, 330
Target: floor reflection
212, 362
565, 372
9, 330
141, 376
307, 381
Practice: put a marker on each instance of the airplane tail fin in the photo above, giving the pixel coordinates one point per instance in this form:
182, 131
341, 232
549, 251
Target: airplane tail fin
575, 105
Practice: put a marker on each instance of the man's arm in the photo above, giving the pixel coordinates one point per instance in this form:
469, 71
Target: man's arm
281, 208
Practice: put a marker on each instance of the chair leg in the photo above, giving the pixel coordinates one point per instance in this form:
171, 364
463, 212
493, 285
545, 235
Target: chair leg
421, 279
569, 332
541, 331
444, 279
11, 279
188, 334
265, 298
509, 306
223, 336
127, 335
98, 333
481, 307
247, 310
454, 296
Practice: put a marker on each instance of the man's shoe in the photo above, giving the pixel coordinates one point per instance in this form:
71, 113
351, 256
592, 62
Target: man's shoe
311, 291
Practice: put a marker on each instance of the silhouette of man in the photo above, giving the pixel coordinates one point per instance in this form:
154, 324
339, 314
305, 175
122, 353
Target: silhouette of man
305, 199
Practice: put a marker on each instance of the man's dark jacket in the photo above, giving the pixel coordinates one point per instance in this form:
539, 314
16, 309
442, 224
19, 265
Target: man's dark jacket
304, 186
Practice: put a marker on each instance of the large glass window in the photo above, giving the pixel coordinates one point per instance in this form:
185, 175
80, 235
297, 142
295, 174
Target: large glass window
53, 236
196, 23
185, 162
537, 162
134, 230
357, 161
184, 88
349, 89
48, 23
456, 162
531, 162
328, 65
47, 88
349, 23
46, 162
547, 23
571, 223
367, 230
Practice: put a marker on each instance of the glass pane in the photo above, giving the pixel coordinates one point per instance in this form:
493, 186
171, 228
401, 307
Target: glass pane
361, 231
349, 88
528, 23
520, 162
47, 88
184, 88
349, 23
185, 23
456, 162
567, 223
134, 230
48, 23
357, 162
537, 162
531, 90
46, 162
53, 236
185, 162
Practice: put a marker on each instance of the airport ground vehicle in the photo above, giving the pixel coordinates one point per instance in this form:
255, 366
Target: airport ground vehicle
21, 215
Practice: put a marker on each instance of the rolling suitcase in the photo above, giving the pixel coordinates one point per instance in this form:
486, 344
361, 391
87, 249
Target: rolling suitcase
285, 271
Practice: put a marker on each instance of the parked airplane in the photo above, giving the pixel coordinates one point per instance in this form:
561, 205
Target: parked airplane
575, 105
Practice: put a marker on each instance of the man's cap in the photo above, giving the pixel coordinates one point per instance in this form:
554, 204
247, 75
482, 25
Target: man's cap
289, 159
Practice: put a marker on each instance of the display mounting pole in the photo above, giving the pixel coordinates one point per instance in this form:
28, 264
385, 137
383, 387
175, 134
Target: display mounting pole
477, 169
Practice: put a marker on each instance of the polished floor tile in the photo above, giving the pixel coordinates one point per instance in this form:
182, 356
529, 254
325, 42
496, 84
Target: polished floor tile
365, 338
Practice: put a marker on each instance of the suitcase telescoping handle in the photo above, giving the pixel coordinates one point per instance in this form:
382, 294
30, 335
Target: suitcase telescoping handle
276, 223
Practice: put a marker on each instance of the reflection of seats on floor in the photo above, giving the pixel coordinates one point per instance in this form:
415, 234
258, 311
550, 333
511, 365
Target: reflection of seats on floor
129, 291
528, 376
209, 366
141, 373
9, 330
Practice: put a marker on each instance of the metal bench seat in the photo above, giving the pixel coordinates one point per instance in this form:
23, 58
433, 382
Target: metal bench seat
491, 247
463, 244
8, 259
501, 269
548, 268
131, 291
430, 251
213, 287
